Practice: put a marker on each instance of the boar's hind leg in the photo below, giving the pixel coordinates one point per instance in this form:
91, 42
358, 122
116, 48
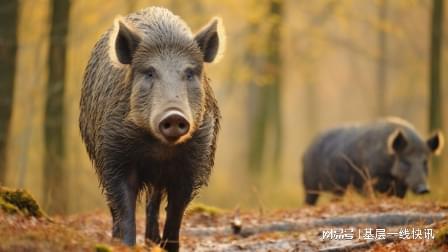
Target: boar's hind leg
152, 216
178, 199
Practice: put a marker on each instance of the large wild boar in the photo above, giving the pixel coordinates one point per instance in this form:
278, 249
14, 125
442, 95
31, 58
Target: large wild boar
149, 118
388, 155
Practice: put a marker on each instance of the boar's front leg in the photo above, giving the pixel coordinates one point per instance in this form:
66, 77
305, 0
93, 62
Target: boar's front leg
122, 196
311, 198
152, 216
400, 190
178, 199
116, 233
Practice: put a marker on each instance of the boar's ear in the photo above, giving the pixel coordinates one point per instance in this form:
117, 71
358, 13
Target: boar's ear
435, 143
396, 142
211, 40
125, 41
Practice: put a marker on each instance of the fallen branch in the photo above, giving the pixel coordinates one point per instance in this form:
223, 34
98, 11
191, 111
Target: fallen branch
374, 219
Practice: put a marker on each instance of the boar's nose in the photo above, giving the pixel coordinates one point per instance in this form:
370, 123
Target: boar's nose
174, 126
421, 189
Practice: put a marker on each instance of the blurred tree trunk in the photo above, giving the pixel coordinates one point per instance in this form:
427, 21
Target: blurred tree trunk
55, 185
435, 64
256, 104
265, 97
312, 57
8, 46
275, 68
382, 62
258, 120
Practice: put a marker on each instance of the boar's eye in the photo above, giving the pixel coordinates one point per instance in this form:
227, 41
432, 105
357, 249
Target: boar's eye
189, 74
150, 73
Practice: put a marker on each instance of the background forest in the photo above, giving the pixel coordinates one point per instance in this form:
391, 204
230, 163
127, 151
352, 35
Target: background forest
292, 68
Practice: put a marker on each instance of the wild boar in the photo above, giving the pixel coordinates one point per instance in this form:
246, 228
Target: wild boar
388, 154
149, 118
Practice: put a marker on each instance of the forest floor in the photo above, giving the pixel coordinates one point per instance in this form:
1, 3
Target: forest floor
380, 225
366, 225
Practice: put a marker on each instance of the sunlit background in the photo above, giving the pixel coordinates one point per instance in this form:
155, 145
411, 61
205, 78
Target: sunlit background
291, 69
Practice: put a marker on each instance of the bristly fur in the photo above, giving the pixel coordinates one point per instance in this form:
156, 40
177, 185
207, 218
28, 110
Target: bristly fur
123, 149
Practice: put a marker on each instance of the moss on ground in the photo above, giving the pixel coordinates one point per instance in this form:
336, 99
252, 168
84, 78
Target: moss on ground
8, 207
102, 248
199, 208
19, 201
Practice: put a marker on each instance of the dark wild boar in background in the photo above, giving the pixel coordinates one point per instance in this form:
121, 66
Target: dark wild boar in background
149, 118
388, 155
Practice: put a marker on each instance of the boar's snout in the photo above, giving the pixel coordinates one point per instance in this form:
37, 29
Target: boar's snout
421, 189
173, 126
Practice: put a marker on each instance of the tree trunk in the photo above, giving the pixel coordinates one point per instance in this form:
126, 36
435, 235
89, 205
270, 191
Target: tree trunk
256, 106
435, 64
276, 66
265, 97
8, 46
55, 185
382, 63
258, 97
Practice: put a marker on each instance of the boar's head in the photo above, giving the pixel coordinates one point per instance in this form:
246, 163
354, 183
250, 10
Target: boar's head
164, 63
411, 157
